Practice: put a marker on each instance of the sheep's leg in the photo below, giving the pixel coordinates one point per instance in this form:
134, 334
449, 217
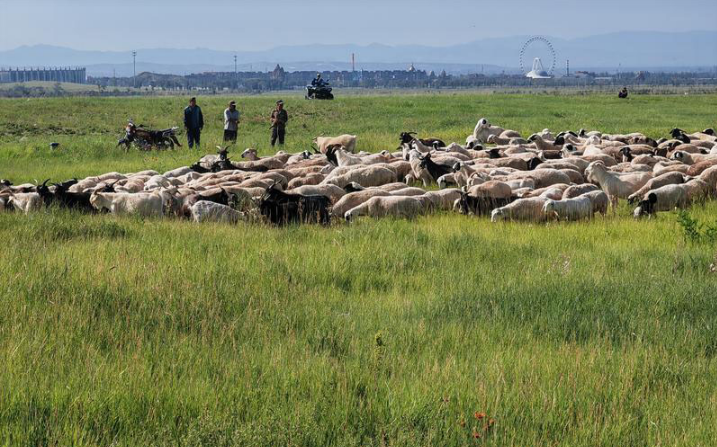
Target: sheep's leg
613, 204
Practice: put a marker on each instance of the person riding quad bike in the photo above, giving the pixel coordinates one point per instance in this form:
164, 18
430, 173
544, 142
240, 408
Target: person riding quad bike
318, 82
319, 89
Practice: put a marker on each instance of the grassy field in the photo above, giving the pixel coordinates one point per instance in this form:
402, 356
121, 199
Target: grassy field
124, 332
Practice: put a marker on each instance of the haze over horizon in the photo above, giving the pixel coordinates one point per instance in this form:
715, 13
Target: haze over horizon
248, 26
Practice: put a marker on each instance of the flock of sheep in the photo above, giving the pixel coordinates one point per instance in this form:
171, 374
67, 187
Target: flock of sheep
568, 176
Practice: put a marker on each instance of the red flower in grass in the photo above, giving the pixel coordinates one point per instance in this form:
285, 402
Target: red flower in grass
476, 435
478, 415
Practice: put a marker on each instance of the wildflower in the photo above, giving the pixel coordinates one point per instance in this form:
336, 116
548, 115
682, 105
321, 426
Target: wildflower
479, 416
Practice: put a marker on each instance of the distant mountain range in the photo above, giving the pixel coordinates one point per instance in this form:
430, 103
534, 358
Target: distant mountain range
629, 50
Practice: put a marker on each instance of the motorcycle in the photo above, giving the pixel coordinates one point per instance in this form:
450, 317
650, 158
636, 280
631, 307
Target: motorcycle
322, 91
146, 139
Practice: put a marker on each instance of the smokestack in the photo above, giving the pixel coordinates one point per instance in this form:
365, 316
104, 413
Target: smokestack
567, 67
353, 62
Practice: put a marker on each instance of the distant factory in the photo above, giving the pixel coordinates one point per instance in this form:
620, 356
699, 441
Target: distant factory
75, 75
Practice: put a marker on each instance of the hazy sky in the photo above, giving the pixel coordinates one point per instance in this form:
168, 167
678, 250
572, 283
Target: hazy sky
262, 24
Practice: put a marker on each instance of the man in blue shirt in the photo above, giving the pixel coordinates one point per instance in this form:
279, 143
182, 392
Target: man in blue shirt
193, 122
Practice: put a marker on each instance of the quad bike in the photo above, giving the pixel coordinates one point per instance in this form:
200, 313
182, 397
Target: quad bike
146, 139
319, 92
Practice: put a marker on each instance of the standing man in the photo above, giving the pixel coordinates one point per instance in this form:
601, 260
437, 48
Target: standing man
231, 123
279, 117
193, 122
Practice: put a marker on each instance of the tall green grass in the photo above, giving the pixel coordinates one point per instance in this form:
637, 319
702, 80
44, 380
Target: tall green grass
124, 332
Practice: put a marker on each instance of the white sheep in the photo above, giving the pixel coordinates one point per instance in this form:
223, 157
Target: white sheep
354, 199
206, 211
347, 141
142, 204
616, 187
569, 209
372, 175
397, 206
530, 210
26, 202
484, 129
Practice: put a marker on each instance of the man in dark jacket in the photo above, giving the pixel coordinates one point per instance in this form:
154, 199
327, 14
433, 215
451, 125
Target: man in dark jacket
279, 117
193, 122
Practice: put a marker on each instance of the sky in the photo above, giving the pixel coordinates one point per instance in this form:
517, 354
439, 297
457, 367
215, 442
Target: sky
241, 25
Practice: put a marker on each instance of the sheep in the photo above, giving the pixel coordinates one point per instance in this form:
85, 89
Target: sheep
543, 145
665, 198
599, 200
408, 138
690, 159
697, 168
205, 211
309, 179
481, 199
569, 209
530, 210
578, 190
26, 202
410, 191
142, 204
614, 186
543, 177
333, 192
396, 206
347, 141
354, 199
483, 130
668, 178
372, 175
443, 200
447, 180
709, 176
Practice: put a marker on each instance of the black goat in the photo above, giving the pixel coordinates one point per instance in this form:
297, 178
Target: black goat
434, 168
65, 199
480, 206
408, 137
281, 208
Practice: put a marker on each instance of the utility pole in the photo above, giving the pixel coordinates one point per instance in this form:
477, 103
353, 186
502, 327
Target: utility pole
236, 73
134, 69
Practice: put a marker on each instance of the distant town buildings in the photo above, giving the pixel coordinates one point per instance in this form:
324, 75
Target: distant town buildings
74, 75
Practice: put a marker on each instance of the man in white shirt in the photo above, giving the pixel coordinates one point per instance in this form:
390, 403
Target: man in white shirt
231, 122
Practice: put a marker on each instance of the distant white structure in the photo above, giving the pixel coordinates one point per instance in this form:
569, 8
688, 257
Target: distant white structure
538, 72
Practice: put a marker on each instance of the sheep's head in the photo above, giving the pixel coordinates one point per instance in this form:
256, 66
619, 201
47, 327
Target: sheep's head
497, 215
482, 124
559, 140
98, 201
534, 163
535, 137
646, 207
353, 187
250, 154
679, 156
490, 139
710, 132
494, 153
549, 207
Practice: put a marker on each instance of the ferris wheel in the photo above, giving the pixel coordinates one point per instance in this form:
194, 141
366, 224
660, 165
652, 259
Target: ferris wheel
538, 48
